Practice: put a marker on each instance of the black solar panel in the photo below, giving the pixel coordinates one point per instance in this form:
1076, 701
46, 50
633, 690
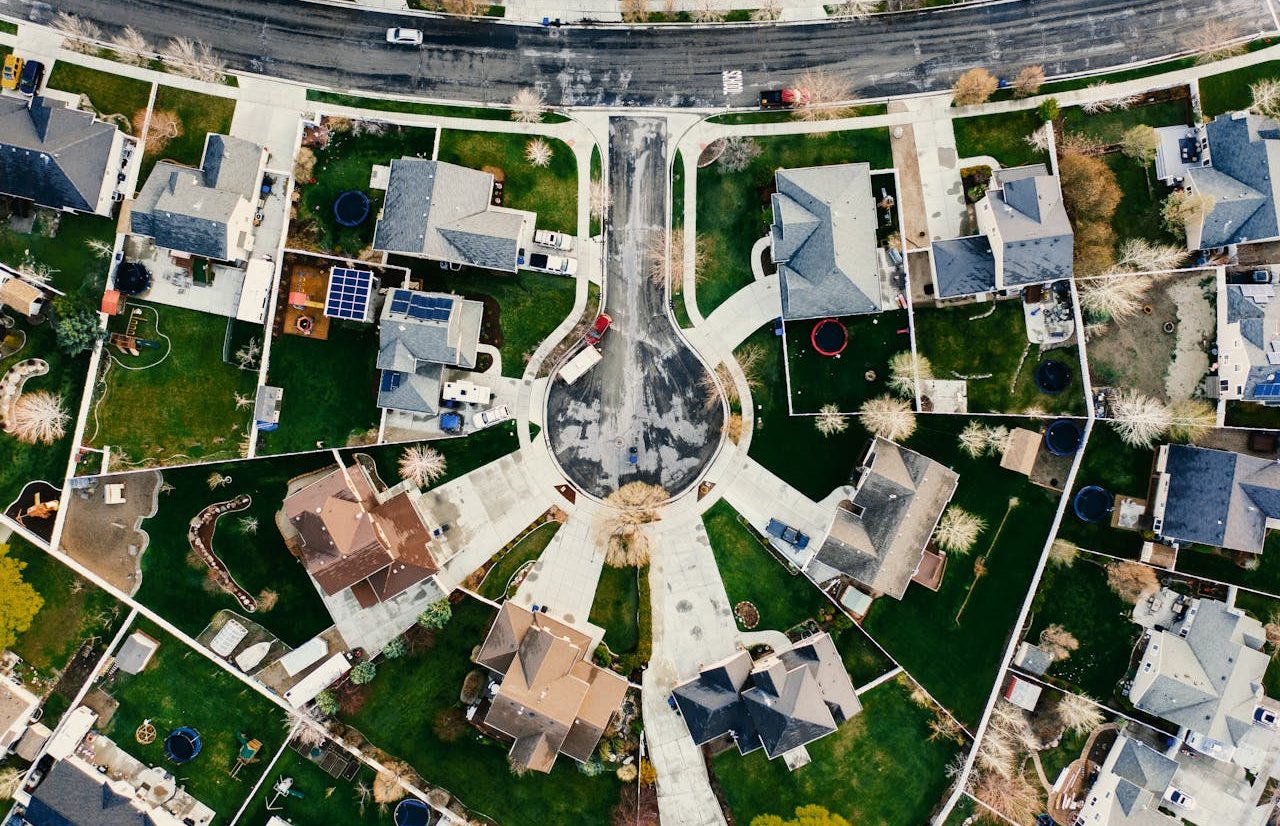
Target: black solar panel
391, 380
348, 295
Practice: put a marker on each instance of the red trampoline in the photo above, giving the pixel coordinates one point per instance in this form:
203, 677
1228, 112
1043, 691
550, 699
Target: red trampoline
829, 337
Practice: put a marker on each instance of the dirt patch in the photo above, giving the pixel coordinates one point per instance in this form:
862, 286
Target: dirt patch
108, 539
1195, 299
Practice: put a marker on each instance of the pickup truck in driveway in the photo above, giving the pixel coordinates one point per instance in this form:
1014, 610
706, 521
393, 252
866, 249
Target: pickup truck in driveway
554, 264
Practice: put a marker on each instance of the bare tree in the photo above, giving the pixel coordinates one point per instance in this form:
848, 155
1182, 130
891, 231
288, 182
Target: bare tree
10, 778
217, 480
242, 401
538, 153
709, 11
82, 35
599, 199
768, 11
131, 47
1063, 552
194, 59
819, 94
1058, 642
1028, 81
1185, 207
37, 418
906, 369
1215, 40
1139, 142
248, 524
667, 257
1139, 419
854, 9
1141, 255
1097, 102
422, 465
1131, 580
888, 417
1014, 797
1112, 297
627, 511
528, 105
1040, 139
99, 248
1079, 714
247, 356
1266, 97
739, 152
973, 439
830, 420
974, 86
1191, 419
635, 11
958, 529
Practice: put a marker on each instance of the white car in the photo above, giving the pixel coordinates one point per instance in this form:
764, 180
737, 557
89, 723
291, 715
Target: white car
404, 37
554, 240
490, 417
1180, 798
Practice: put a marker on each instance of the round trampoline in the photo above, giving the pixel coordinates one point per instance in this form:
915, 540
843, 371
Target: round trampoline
1053, 376
1092, 503
829, 337
412, 812
182, 745
132, 278
351, 208
1062, 437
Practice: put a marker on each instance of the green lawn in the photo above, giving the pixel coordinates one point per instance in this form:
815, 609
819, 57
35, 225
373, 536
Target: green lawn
597, 174
346, 163
463, 454
110, 94
965, 341
1109, 127
330, 388
1002, 136
74, 267
397, 711
1068, 749
528, 549
519, 310
818, 380
179, 409
952, 641
786, 116
790, 446
443, 110
1142, 197
878, 769
1264, 610
1124, 471
1229, 91
551, 192
8, 28
1200, 561
1079, 599
734, 210
324, 799
200, 115
750, 572
616, 608
182, 688
259, 561
862, 659
1250, 414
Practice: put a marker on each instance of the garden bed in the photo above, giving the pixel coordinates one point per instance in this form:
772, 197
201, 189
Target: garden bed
497, 582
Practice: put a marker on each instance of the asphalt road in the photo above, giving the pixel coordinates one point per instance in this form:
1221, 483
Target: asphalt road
646, 393
342, 46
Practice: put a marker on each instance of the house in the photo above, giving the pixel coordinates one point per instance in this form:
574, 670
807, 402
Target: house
878, 536
824, 241
1024, 238
136, 652
58, 157
206, 212
1130, 787
418, 336
1203, 672
352, 536
551, 699
1215, 497
1249, 343
780, 703
444, 212
1239, 169
17, 706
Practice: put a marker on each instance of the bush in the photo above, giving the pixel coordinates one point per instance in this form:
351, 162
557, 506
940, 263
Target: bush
1049, 109
394, 649
364, 673
326, 703
76, 327
449, 724
436, 615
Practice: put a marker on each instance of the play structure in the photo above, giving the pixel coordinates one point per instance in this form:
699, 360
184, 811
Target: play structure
829, 337
129, 342
248, 753
1093, 504
304, 324
182, 745
39, 510
282, 789
351, 208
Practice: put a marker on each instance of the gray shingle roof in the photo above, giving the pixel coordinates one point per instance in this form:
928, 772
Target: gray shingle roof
1244, 150
1145, 767
417, 349
1026, 205
1220, 498
824, 241
417, 391
963, 266
70, 797
55, 156
441, 211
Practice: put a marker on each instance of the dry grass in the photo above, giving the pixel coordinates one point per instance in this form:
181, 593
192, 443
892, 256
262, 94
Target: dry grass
627, 511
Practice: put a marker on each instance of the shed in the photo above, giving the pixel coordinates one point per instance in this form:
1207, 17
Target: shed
1024, 445
306, 689
1022, 693
136, 652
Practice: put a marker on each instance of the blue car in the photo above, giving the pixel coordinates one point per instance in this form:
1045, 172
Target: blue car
32, 77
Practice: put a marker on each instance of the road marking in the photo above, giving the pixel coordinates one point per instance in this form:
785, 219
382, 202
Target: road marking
731, 81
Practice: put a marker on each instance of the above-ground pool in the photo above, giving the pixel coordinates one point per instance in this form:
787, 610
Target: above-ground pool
1063, 437
1092, 503
1053, 376
829, 337
351, 208
182, 745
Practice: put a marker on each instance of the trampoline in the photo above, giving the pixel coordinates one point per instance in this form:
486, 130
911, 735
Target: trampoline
1062, 437
182, 745
412, 812
1053, 376
1092, 504
132, 278
351, 208
829, 337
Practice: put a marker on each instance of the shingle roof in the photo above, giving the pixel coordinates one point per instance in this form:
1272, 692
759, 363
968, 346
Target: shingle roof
71, 797
1145, 767
1219, 498
1244, 150
824, 241
1026, 205
55, 156
963, 266
441, 211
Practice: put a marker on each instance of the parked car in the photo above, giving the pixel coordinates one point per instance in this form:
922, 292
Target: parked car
404, 37
597, 330
554, 264
1264, 716
12, 71
788, 534
554, 240
490, 417
32, 77
1178, 797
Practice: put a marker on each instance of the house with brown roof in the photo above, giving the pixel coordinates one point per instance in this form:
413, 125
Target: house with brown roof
551, 698
351, 535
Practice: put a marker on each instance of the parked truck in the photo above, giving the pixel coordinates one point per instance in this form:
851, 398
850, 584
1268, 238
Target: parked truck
580, 365
782, 98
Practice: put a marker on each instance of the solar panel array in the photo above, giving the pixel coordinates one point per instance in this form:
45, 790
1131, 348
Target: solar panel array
421, 306
391, 380
1267, 391
348, 294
